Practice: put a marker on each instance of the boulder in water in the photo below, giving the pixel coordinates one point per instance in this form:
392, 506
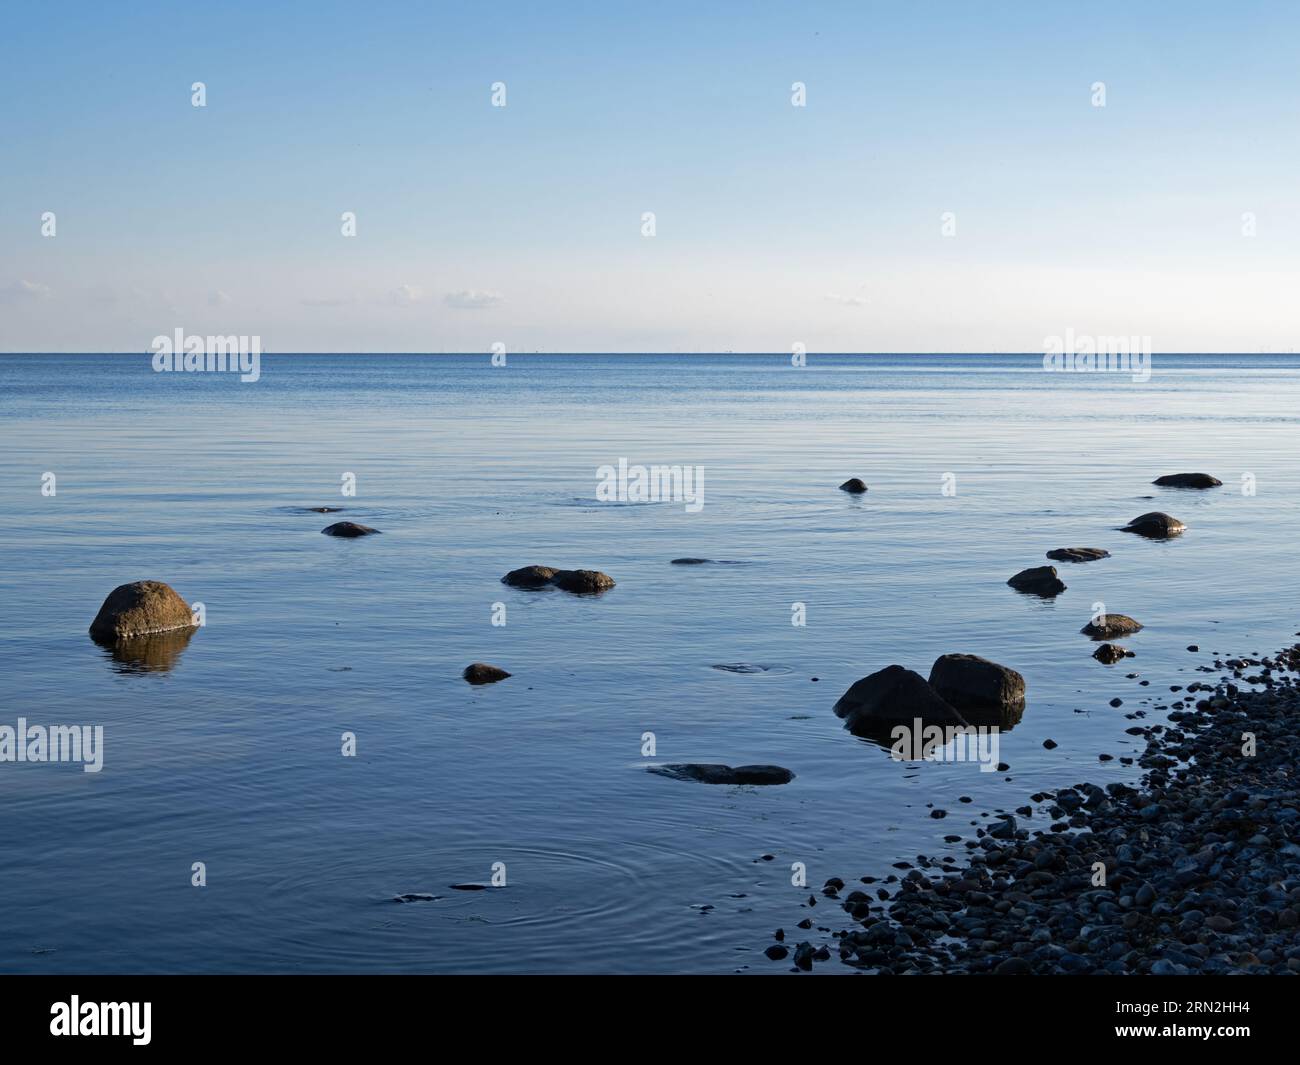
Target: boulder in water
725, 774
482, 673
893, 696
1077, 554
582, 581
971, 683
1156, 525
143, 608
1039, 580
1109, 626
1187, 480
529, 577
854, 486
348, 529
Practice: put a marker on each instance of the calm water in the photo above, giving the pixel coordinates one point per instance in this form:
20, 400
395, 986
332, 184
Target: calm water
232, 756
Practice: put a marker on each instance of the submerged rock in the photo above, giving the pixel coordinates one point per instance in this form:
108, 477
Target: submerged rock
1187, 480
1108, 626
529, 577
1156, 525
1078, 554
892, 696
970, 683
854, 485
348, 529
141, 609
1111, 653
482, 673
582, 581
1039, 580
725, 774
690, 561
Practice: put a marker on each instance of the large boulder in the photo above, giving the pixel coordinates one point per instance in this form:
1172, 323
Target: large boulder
348, 529
1039, 580
1187, 480
141, 609
969, 683
854, 486
1077, 554
1111, 626
1156, 526
893, 696
529, 577
582, 581
725, 774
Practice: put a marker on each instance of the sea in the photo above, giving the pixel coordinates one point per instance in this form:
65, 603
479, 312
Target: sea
270, 787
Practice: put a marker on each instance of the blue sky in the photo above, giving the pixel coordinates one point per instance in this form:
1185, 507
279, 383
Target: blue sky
774, 224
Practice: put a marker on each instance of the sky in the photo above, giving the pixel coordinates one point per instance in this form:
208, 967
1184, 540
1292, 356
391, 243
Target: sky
950, 183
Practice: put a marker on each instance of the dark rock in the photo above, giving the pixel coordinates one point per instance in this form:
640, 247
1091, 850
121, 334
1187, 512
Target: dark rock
348, 529
725, 774
143, 608
1156, 525
690, 561
777, 952
482, 673
529, 577
1110, 626
1111, 653
1039, 580
1078, 554
854, 485
893, 696
582, 581
1187, 480
970, 683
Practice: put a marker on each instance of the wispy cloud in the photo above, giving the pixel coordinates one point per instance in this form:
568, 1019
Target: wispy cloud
25, 292
469, 299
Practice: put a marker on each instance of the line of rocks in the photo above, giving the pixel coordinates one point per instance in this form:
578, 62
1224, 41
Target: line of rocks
1196, 871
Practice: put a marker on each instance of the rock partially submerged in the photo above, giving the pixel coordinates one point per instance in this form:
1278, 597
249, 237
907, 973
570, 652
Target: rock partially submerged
1187, 480
725, 774
854, 486
893, 696
1110, 653
1109, 626
529, 577
143, 608
970, 684
690, 561
1156, 525
482, 673
348, 529
1078, 554
1039, 580
578, 581
582, 581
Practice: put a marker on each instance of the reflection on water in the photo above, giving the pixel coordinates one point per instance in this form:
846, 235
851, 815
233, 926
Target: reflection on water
156, 652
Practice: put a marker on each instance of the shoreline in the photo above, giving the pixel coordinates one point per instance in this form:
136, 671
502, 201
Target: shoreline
1194, 871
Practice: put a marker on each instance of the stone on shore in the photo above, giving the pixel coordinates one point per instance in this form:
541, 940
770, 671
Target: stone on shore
141, 609
482, 673
1038, 580
582, 581
854, 485
1078, 554
971, 683
1187, 480
1109, 626
529, 577
1156, 525
348, 529
892, 696
724, 774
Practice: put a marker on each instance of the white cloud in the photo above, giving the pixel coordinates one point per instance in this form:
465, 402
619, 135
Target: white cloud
468, 299
845, 301
24, 292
